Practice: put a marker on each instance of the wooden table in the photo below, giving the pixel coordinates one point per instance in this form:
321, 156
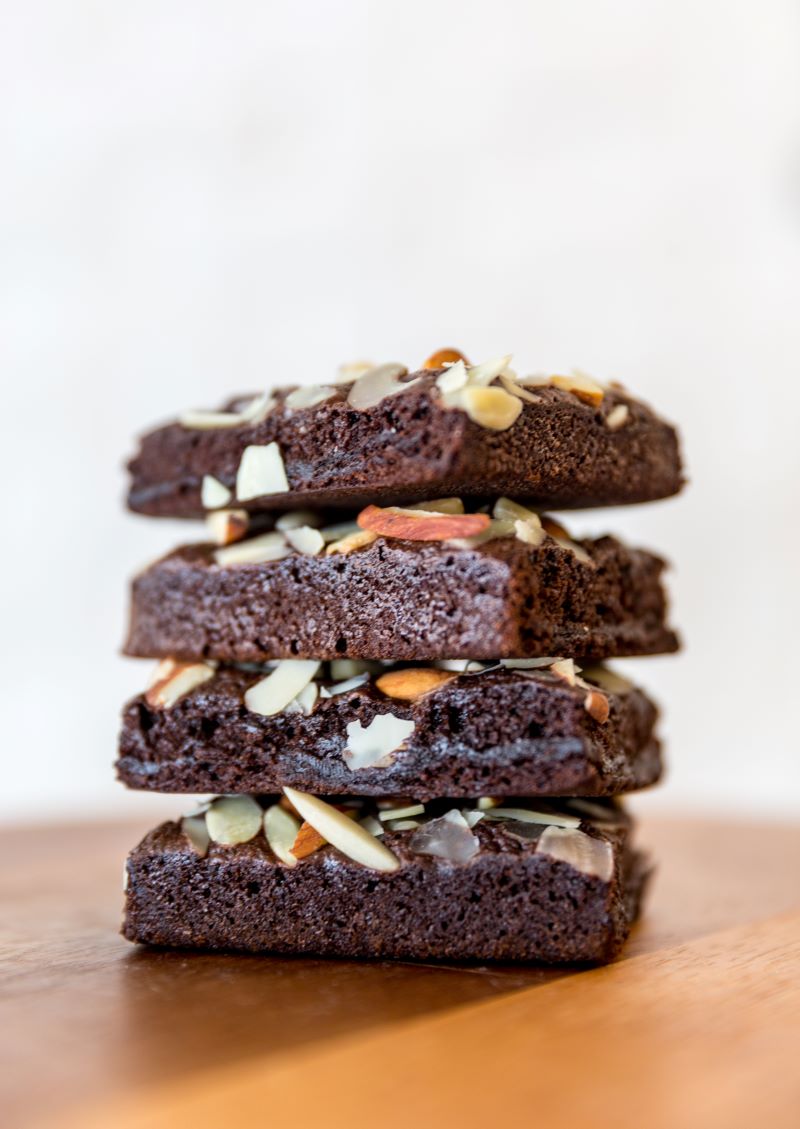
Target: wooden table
698, 1024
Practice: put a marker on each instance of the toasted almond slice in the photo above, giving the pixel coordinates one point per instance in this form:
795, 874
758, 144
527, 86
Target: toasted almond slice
255, 550
234, 819
227, 526
419, 525
492, 408
342, 832
373, 825
352, 541
526, 815
213, 493
257, 410
195, 830
306, 842
305, 701
495, 530
294, 519
444, 357
271, 695
412, 682
505, 509
341, 669
617, 417
517, 390
596, 705
377, 384
346, 686
529, 664
173, 680
486, 803
353, 370
565, 669
305, 540
308, 396
581, 851
280, 830
562, 538
261, 472
389, 814
449, 837
586, 389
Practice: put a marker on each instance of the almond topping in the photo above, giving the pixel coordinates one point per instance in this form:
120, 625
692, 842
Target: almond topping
492, 408
358, 540
195, 830
373, 745
227, 526
342, 832
586, 389
412, 683
596, 705
306, 842
234, 819
271, 695
565, 669
617, 417
444, 357
256, 550
261, 472
172, 680
308, 396
377, 384
419, 525
305, 540
213, 493
280, 831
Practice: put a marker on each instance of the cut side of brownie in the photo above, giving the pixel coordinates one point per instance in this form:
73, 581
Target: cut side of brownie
399, 599
452, 883
559, 452
386, 729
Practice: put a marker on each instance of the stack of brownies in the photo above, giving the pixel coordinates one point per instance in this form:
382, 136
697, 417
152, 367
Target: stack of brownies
383, 666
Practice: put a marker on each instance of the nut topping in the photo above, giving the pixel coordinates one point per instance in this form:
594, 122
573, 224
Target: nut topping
492, 408
271, 695
412, 683
280, 831
596, 705
261, 472
378, 383
443, 357
347, 544
617, 417
420, 525
586, 389
227, 526
342, 832
213, 493
373, 745
172, 680
581, 851
234, 819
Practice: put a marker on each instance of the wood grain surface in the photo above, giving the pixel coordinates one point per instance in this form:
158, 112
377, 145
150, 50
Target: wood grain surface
697, 1024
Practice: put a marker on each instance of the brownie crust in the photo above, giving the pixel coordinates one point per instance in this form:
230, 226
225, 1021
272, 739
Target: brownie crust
403, 600
507, 904
500, 732
559, 454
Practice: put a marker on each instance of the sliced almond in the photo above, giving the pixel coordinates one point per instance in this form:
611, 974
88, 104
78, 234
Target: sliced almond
305, 540
234, 819
412, 682
562, 538
255, 550
444, 357
271, 695
375, 385
227, 526
346, 686
529, 664
527, 815
306, 842
566, 670
261, 472
308, 396
617, 417
389, 814
213, 493
419, 525
486, 803
373, 745
596, 705
495, 530
352, 541
449, 382
581, 851
341, 669
482, 375
280, 831
195, 830
254, 412
173, 680
342, 832
449, 837
353, 370
517, 390
492, 408
293, 519
373, 825
586, 389
305, 701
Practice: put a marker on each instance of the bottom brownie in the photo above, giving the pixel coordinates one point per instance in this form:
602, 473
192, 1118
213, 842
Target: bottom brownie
514, 897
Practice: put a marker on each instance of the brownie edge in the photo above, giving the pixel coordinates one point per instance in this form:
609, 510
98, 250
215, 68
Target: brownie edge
508, 904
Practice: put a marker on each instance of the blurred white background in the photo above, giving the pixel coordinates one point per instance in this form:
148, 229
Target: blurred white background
200, 198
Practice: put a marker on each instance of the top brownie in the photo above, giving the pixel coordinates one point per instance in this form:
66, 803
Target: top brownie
390, 437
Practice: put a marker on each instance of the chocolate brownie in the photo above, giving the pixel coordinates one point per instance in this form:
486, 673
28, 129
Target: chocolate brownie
559, 453
405, 600
514, 898
497, 731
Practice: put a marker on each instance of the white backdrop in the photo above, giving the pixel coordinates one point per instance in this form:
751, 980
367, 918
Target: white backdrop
199, 198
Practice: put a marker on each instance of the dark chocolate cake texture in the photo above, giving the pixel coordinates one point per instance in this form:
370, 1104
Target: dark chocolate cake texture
386, 689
